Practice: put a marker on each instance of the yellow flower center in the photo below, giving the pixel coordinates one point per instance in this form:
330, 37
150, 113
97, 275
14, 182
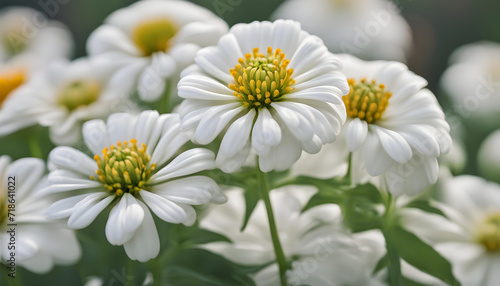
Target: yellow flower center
154, 35
366, 100
489, 232
79, 93
10, 80
261, 79
124, 168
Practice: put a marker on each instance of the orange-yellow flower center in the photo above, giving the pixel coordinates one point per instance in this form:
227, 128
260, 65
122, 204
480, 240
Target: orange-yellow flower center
489, 232
154, 35
10, 80
124, 168
366, 100
261, 79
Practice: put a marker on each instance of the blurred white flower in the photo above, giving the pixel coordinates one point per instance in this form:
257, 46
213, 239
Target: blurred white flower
27, 31
396, 128
323, 252
62, 98
135, 167
28, 42
470, 239
273, 87
151, 41
369, 29
472, 82
489, 157
39, 242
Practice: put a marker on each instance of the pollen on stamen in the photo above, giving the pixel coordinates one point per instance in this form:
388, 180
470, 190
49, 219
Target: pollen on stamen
261, 79
124, 168
366, 100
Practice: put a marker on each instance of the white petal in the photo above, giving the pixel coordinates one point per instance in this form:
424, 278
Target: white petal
266, 132
194, 190
214, 120
171, 140
376, 159
357, 130
299, 126
124, 220
64, 208
189, 162
87, 210
119, 128
73, 160
108, 39
167, 210
146, 125
95, 135
237, 134
394, 144
233, 163
145, 244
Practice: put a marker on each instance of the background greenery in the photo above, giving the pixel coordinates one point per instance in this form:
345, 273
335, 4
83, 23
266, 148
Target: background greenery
439, 27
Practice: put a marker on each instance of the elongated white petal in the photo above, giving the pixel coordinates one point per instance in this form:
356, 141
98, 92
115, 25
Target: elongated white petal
124, 219
189, 162
145, 244
168, 210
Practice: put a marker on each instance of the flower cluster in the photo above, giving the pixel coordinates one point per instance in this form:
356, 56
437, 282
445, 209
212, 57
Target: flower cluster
261, 154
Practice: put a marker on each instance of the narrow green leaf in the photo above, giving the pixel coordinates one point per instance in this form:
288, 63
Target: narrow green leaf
421, 255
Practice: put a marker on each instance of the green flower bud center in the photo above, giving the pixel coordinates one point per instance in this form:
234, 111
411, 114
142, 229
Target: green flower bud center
154, 35
79, 93
10, 80
366, 100
124, 168
13, 41
261, 79
489, 233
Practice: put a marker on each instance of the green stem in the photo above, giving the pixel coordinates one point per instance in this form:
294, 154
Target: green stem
130, 272
347, 176
34, 146
162, 262
165, 99
278, 250
394, 264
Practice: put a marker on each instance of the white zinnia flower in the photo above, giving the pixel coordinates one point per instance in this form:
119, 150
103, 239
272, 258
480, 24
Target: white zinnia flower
323, 252
134, 168
396, 128
470, 239
370, 29
472, 82
39, 242
151, 41
488, 158
28, 42
276, 88
62, 98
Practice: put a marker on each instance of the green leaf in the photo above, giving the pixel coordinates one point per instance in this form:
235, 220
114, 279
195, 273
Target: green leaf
360, 208
209, 269
252, 197
425, 206
419, 254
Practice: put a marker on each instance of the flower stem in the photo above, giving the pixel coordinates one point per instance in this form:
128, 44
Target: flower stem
34, 146
393, 259
348, 176
278, 250
130, 272
165, 99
